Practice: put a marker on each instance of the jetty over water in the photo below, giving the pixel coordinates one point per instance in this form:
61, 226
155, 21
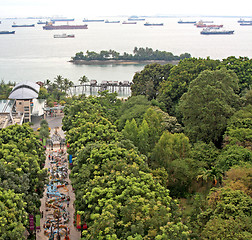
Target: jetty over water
92, 88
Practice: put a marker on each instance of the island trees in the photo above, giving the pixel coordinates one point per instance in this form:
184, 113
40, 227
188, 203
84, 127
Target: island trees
211, 99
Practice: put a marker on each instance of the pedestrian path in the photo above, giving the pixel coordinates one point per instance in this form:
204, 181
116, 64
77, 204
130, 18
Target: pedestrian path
57, 204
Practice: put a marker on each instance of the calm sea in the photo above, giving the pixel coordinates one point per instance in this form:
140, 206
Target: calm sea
33, 54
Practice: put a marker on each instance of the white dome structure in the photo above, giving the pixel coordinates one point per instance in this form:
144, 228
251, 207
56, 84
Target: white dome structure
25, 90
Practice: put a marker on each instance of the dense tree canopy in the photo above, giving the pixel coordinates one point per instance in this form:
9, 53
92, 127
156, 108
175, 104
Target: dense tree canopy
209, 102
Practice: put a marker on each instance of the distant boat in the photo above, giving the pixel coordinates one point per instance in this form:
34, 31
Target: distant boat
24, 25
209, 31
92, 20
206, 21
246, 24
181, 21
50, 26
124, 22
135, 18
62, 19
7, 32
41, 22
107, 21
153, 24
201, 24
241, 20
64, 35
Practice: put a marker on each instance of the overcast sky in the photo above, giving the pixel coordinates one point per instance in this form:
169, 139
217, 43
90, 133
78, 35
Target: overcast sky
92, 8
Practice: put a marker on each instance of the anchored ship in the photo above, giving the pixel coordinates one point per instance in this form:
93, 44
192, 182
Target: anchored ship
181, 21
92, 20
24, 25
210, 31
62, 19
7, 32
64, 35
153, 24
50, 26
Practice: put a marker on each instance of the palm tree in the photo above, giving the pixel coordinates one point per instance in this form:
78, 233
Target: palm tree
213, 175
82, 81
59, 81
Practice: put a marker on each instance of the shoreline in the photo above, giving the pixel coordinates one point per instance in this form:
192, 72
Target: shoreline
122, 62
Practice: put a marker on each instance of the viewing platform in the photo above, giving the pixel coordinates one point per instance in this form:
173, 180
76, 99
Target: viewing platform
92, 88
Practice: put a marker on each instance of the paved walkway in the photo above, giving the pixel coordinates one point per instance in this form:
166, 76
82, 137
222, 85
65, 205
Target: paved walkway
48, 200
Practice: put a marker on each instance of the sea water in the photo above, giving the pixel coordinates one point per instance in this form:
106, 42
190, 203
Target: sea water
34, 54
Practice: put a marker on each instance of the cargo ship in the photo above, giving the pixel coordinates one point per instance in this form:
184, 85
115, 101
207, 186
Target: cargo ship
208, 26
246, 24
7, 32
62, 19
41, 22
50, 26
124, 22
64, 35
244, 21
135, 18
153, 24
209, 31
24, 25
107, 21
92, 20
181, 22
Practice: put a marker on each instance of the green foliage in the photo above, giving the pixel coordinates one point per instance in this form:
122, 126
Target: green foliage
134, 107
139, 54
205, 153
5, 89
228, 215
169, 148
43, 94
13, 217
204, 114
242, 66
21, 177
115, 191
239, 128
148, 80
44, 129
179, 79
234, 155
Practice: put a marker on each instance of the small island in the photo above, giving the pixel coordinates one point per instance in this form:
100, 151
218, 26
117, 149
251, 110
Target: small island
139, 56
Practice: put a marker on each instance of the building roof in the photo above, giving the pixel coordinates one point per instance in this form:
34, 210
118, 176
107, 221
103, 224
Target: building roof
25, 90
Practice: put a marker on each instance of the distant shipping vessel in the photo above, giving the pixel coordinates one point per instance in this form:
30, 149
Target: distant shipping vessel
135, 18
93, 20
246, 24
41, 22
208, 26
107, 21
216, 32
62, 19
153, 24
244, 21
181, 21
24, 25
64, 35
124, 22
7, 32
58, 27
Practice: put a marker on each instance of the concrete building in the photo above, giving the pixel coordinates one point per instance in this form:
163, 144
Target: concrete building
21, 105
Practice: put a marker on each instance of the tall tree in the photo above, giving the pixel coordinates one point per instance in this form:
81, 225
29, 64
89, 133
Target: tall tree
211, 99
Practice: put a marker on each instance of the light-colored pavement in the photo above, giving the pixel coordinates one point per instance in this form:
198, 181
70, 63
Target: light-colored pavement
68, 190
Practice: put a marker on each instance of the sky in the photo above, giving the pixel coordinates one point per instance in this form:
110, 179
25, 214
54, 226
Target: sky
92, 8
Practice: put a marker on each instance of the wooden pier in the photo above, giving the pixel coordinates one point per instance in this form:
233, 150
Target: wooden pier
92, 88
